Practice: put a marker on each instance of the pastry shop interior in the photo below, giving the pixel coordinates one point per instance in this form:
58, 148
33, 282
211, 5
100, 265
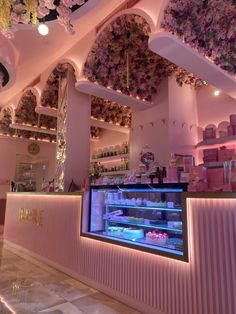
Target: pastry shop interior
118, 148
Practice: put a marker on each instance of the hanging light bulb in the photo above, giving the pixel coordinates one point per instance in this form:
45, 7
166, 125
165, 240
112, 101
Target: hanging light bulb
216, 93
43, 29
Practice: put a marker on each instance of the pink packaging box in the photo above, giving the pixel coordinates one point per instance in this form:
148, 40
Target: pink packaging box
231, 129
226, 154
232, 119
209, 133
197, 173
215, 177
210, 154
172, 174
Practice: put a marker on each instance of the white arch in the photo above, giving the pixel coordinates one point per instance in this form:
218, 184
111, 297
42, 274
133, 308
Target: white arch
11, 109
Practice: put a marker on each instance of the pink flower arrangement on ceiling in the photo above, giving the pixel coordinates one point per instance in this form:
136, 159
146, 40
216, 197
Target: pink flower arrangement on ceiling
13, 12
109, 111
25, 113
208, 26
120, 59
5, 121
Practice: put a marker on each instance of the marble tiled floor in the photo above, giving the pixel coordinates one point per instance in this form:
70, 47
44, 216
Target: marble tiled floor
33, 287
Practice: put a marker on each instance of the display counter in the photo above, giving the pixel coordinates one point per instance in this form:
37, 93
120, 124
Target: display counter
151, 283
149, 218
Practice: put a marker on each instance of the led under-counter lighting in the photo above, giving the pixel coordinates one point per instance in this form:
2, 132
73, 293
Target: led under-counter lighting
216, 93
43, 29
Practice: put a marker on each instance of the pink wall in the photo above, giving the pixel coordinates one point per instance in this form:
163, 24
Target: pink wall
211, 109
182, 118
10, 147
152, 284
148, 128
169, 127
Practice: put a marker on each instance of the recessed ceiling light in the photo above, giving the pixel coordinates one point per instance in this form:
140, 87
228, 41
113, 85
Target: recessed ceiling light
43, 29
216, 92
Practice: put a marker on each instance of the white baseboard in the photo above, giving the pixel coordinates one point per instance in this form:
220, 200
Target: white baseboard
31, 256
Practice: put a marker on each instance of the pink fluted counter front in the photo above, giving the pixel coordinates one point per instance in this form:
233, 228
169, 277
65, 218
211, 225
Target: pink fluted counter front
150, 283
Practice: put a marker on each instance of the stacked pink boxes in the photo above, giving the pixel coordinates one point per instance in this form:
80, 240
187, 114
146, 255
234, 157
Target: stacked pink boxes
232, 127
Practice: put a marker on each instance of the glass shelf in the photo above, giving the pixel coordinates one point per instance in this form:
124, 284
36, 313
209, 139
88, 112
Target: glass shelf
142, 243
161, 227
145, 207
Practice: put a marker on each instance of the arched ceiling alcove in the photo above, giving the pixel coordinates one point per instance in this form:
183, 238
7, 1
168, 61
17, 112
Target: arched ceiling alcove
49, 98
108, 111
201, 37
121, 60
207, 26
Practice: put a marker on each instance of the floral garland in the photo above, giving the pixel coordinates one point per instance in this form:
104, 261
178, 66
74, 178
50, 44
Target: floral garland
13, 12
50, 93
208, 26
109, 111
120, 59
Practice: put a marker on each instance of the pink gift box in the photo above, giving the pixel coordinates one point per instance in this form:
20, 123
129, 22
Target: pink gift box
209, 133
198, 187
197, 173
225, 154
231, 129
210, 154
215, 177
172, 174
232, 119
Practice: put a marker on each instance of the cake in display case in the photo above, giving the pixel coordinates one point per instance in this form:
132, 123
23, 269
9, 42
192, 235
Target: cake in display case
149, 218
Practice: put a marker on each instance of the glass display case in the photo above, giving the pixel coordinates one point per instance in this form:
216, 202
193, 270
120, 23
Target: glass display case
144, 217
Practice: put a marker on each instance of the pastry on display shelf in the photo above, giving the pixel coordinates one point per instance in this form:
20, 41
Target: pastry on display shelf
133, 233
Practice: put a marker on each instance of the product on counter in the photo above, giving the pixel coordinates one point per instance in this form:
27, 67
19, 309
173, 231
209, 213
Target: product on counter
156, 237
133, 233
174, 224
158, 222
136, 219
115, 231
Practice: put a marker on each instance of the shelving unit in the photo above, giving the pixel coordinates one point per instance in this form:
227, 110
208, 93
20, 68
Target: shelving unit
109, 126
95, 89
110, 158
145, 207
152, 226
114, 173
215, 142
47, 111
31, 128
